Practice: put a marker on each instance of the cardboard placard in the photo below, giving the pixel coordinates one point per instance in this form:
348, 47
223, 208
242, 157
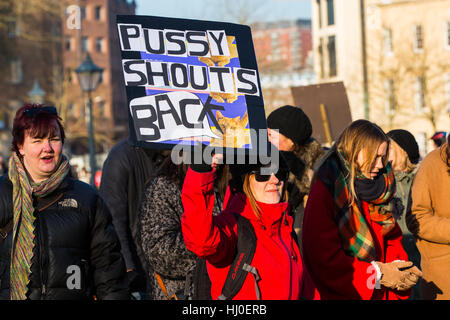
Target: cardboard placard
190, 80
327, 107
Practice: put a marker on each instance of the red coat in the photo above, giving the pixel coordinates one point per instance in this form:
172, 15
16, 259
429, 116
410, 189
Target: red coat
336, 274
277, 257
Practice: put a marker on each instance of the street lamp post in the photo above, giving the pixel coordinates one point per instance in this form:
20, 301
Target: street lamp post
89, 77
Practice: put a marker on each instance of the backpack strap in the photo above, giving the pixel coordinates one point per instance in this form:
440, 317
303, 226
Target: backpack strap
5, 230
241, 265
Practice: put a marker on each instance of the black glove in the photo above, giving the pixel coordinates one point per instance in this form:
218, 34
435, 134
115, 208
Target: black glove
202, 166
296, 165
135, 281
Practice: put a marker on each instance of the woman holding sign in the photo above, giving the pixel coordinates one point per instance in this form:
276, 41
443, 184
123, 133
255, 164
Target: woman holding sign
351, 241
254, 227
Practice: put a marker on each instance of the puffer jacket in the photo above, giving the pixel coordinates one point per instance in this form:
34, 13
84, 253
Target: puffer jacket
76, 253
277, 257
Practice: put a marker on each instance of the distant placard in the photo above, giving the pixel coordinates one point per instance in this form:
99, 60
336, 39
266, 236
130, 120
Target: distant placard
190, 80
334, 116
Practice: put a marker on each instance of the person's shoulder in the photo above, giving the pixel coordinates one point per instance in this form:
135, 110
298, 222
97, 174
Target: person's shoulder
433, 158
83, 191
120, 147
163, 182
5, 183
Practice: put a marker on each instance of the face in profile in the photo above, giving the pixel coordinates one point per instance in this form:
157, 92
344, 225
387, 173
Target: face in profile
370, 169
41, 155
282, 142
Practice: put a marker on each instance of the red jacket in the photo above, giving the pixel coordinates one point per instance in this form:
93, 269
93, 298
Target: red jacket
336, 274
277, 257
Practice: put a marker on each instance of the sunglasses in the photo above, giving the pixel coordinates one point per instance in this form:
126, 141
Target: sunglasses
32, 112
281, 174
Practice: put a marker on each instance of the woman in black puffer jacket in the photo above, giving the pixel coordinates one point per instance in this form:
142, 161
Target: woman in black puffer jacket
60, 242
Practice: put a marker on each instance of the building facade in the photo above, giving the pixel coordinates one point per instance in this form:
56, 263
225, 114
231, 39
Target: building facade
392, 56
284, 53
96, 34
30, 58
42, 42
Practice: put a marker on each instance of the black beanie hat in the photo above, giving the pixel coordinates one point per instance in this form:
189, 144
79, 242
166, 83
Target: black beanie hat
292, 122
407, 142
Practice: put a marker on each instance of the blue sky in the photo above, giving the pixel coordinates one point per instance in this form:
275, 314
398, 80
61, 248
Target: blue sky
258, 10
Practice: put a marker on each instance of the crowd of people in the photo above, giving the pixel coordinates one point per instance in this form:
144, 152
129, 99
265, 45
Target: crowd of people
365, 219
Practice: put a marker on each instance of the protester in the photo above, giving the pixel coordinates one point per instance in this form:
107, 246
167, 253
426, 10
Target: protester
429, 221
275, 271
162, 238
3, 165
60, 241
351, 242
125, 173
300, 150
404, 155
438, 138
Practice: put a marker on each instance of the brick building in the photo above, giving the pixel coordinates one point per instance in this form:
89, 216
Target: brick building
284, 54
30, 54
97, 34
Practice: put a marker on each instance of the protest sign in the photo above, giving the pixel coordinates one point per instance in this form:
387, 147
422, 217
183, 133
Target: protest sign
327, 107
190, 80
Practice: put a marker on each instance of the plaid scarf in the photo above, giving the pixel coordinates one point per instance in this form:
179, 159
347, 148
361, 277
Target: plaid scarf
353, 228
23, 228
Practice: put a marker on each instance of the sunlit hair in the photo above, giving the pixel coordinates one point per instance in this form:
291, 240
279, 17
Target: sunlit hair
401, 160
361, 136
38, 126
251, 198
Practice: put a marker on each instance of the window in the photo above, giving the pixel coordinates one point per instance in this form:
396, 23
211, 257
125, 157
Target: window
391, 103
319, 12
101, 108
68, 43
69, 75
71, 109
16, 71
12, 28
321, 62
418, 38
99, 44
83, 12
387, 41
98, 13
419, 94
330, 12
332, 56
84, 44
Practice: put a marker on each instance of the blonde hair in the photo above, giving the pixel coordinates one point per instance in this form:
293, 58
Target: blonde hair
360, 136
251, 198
401, 158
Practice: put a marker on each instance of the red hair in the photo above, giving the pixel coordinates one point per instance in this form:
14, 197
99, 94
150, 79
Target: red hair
38, 126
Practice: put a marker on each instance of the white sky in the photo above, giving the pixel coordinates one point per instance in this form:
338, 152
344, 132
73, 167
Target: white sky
260, 10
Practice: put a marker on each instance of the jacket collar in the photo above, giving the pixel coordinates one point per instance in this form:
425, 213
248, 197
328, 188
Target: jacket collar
270, 214
45, 202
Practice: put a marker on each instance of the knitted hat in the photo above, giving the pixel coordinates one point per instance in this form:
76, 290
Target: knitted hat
292, 122
407, 142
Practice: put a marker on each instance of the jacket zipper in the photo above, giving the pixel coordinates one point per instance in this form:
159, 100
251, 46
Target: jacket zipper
290, 258
42, 257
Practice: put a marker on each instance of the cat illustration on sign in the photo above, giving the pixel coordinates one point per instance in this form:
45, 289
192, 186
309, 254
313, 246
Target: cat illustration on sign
223, 61
235, 134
